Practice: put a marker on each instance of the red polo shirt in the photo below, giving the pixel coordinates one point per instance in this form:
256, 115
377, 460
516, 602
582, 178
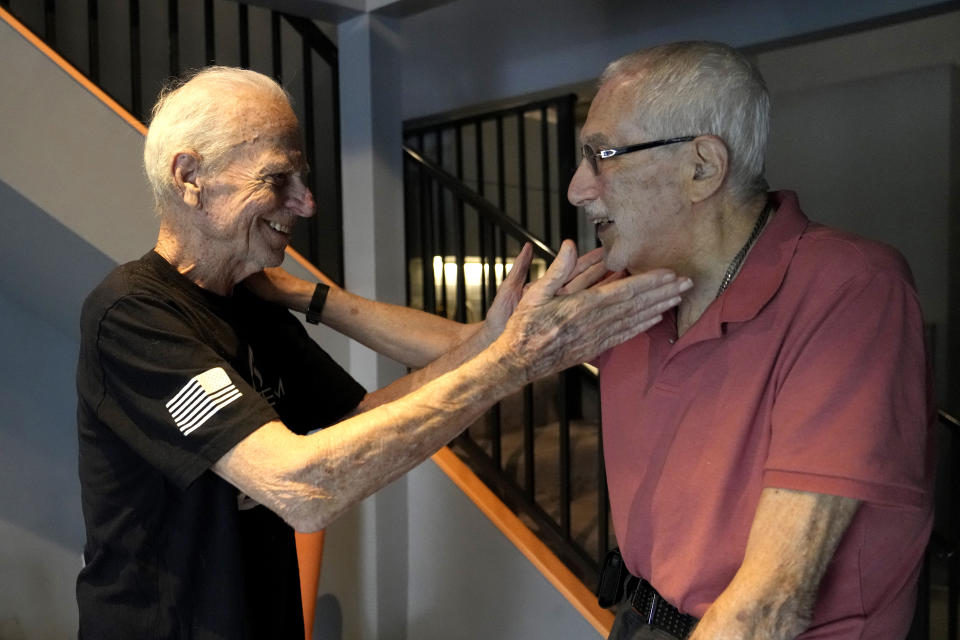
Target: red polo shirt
808, 373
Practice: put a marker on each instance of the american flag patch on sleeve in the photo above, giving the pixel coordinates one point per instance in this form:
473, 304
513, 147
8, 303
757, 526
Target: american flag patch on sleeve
201, 398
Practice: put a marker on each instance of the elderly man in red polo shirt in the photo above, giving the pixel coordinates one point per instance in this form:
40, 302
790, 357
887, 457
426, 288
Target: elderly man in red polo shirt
767, 444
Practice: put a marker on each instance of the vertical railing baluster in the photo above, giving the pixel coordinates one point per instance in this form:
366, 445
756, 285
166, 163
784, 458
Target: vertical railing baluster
571, 381
461, 231
50, 22
442, 229
309, 134
333, 61
566, 165
93, 40
501, 187
545, 177
209, 33
522, 167
426, 251
481, 228
276, 46
173, 36
496, 434
564, 389
529, 483
136, 92
243, 33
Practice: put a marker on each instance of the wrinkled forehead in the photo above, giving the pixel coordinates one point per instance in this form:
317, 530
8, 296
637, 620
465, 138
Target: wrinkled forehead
613, 116
260, 119
262, 128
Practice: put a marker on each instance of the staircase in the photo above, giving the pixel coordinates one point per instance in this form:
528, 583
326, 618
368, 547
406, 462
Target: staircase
163, 39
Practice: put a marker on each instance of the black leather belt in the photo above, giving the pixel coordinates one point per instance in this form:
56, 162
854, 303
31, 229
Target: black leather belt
617, 584
656, 611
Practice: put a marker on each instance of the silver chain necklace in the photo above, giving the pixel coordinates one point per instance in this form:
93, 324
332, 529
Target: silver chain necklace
737, 261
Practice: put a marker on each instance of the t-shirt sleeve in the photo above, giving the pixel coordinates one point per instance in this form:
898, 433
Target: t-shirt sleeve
851, 414
172, 398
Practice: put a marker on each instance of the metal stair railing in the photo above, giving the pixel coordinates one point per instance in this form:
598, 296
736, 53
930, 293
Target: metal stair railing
458, 248
130, 48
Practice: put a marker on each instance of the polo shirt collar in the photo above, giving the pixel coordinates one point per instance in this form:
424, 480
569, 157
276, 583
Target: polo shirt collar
759, 278
766, 264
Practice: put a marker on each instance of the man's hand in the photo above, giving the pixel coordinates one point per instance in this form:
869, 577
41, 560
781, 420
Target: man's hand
548, 333
589, 270
507, 298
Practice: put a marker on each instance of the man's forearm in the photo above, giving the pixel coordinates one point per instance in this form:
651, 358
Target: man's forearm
353, 459
409, 336
792, 540
309, 480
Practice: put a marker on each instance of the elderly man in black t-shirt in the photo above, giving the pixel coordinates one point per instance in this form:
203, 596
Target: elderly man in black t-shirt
195, 397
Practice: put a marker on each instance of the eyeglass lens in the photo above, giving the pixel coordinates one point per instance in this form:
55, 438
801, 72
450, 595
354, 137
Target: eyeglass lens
591, 157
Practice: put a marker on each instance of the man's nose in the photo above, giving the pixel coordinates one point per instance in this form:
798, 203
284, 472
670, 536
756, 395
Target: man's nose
300, 200
583, 186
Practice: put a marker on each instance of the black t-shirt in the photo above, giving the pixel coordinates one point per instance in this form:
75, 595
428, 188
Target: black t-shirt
170, 378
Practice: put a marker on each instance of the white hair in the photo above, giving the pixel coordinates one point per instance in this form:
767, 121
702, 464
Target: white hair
699, 88
192, 114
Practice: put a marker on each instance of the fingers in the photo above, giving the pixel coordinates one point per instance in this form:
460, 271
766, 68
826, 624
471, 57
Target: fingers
588, 260
557, 274
648, 285
521, 265
579, 326
591, 275
613, 275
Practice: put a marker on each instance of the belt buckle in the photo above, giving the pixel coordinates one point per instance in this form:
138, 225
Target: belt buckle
654, 602
645, 609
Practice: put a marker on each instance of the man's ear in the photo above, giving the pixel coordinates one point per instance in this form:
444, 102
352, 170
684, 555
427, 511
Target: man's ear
710, 166
185, 169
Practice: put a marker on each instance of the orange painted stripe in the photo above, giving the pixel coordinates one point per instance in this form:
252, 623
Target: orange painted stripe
309, 266
509, 524
72, 71
526, 541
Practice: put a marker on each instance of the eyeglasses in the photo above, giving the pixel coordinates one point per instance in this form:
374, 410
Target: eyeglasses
592, 156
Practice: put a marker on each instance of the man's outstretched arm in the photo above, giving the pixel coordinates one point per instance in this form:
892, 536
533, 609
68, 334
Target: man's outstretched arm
310, 480
409, 336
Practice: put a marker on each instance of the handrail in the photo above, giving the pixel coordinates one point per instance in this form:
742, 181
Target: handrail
481, 204
948, 420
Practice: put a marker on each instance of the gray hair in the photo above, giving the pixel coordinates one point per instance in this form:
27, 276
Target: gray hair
698, 88
192, 114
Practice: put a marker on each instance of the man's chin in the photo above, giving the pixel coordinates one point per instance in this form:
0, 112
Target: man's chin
611, 260
274, 258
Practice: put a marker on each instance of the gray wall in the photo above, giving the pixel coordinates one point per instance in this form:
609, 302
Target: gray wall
465, 52
873, 156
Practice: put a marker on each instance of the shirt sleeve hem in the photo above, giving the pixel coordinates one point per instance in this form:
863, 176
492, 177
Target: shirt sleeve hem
218, 447
883, 494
